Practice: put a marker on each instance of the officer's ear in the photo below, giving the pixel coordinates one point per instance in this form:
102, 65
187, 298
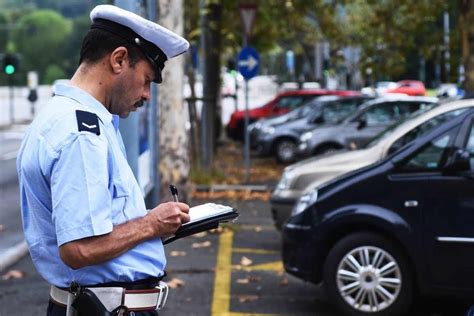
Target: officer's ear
118, 59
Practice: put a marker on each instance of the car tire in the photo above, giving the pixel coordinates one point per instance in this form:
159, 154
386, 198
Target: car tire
354, 284
285, 151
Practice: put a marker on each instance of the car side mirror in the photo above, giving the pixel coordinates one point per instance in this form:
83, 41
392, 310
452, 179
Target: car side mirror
460, 161
319, 119
361, 123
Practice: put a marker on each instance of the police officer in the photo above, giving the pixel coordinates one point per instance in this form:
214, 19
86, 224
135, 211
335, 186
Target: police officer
88, 231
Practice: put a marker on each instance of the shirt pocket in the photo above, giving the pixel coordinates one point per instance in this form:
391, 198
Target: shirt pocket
120, 197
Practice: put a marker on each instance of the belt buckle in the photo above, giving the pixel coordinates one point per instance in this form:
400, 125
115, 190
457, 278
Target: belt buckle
163, 296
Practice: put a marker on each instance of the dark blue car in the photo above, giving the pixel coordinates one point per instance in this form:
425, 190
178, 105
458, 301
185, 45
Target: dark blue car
380, 234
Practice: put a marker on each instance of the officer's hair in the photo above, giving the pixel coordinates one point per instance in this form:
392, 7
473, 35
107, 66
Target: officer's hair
97, 43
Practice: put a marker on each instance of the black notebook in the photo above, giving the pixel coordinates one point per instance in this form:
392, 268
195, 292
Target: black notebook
204, 217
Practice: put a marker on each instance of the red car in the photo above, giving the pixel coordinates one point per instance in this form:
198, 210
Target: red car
281, 104
409, 87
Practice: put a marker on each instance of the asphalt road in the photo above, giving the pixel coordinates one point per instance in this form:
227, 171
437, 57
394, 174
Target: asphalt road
10, 218
236, 271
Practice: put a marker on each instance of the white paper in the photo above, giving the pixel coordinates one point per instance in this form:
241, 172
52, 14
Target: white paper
206, 211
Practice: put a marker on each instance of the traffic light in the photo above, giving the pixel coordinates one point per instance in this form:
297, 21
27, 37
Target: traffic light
231, 67
10, 64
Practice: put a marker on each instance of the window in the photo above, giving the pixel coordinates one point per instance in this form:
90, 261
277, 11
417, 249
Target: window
424, 128
470, 147
291, 102
433, 155
335, 111
379, 114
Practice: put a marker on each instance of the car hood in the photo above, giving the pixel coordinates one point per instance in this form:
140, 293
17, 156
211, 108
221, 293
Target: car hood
312, 172
292, 124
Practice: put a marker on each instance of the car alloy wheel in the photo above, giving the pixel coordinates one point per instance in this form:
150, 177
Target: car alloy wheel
369, 279
285, 151
368, 274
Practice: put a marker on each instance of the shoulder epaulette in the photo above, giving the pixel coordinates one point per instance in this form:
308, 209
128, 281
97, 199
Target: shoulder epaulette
87, 121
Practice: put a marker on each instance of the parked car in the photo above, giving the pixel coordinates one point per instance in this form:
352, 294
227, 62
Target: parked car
313, 172
280, 137
282, 103
409, 87
380, 88
362, 125
378, 235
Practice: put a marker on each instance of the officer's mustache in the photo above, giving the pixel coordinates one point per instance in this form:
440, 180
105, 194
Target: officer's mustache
139, 104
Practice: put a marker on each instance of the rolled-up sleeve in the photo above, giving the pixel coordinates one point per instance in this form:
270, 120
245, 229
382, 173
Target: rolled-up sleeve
81, 200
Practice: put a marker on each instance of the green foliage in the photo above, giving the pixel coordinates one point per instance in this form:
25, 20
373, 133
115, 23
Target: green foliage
53, 72
40, 38
3, 33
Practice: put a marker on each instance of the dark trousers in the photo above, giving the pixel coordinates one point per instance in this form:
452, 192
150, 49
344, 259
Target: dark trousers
56, 310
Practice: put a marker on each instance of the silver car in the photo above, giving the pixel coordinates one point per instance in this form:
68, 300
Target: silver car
311, 173
363, 125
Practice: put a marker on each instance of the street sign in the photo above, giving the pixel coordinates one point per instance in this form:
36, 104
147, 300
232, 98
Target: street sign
249, 62
247, 14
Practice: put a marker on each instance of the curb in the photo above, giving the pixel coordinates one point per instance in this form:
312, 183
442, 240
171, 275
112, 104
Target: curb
13, 254
233, 187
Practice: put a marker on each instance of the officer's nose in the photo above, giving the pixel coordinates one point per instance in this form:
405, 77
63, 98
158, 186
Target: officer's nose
146, 95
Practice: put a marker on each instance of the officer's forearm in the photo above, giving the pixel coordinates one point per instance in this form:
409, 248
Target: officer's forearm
98, 249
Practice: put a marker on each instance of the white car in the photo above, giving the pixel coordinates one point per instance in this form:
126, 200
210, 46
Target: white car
311, 173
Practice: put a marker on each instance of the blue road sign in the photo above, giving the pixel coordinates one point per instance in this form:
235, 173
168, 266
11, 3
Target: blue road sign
249, 62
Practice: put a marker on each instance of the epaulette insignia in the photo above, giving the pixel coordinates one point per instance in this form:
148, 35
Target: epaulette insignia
87, 121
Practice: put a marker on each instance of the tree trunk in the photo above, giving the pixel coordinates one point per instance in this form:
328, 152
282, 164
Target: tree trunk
174, 153
210, 121
467, 36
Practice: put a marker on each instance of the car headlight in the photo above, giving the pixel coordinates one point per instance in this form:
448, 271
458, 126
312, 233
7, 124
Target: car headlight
285, 181
306, 200
305, 136
268, 130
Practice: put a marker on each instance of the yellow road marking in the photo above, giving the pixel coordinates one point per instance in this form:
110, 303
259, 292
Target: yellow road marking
222, 279
256, 251
221, 295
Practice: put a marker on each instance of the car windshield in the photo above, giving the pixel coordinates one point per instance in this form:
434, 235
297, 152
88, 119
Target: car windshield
302, 111
386, 132
336, 111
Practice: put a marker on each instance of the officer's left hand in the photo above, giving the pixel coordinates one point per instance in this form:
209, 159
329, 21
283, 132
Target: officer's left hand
166, 218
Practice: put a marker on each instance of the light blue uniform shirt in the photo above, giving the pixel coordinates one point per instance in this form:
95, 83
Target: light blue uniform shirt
76, 184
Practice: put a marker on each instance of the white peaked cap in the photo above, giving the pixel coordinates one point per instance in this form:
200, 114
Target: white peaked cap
156, 42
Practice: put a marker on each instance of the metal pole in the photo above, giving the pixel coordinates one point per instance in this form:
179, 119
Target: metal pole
154, 126
247, 140
12, 108
447, 65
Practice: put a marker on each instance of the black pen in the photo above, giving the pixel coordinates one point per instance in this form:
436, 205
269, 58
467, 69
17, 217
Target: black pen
174, 193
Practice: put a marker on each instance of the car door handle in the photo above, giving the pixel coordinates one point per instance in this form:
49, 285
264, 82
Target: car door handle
411, 203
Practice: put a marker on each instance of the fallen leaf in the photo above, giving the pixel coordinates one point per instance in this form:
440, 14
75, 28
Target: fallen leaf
284, 281
13, 274
175, 283
248, 298
254, 278
243, 281
245, 261
200, 235
175, 253
204, 244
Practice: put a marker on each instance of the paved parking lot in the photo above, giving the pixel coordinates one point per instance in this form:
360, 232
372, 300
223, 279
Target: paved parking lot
236, 271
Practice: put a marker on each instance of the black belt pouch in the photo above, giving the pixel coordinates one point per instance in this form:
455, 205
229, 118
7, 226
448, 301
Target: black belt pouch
87, 303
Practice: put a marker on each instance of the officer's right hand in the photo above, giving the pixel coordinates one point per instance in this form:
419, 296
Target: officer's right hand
166, 218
